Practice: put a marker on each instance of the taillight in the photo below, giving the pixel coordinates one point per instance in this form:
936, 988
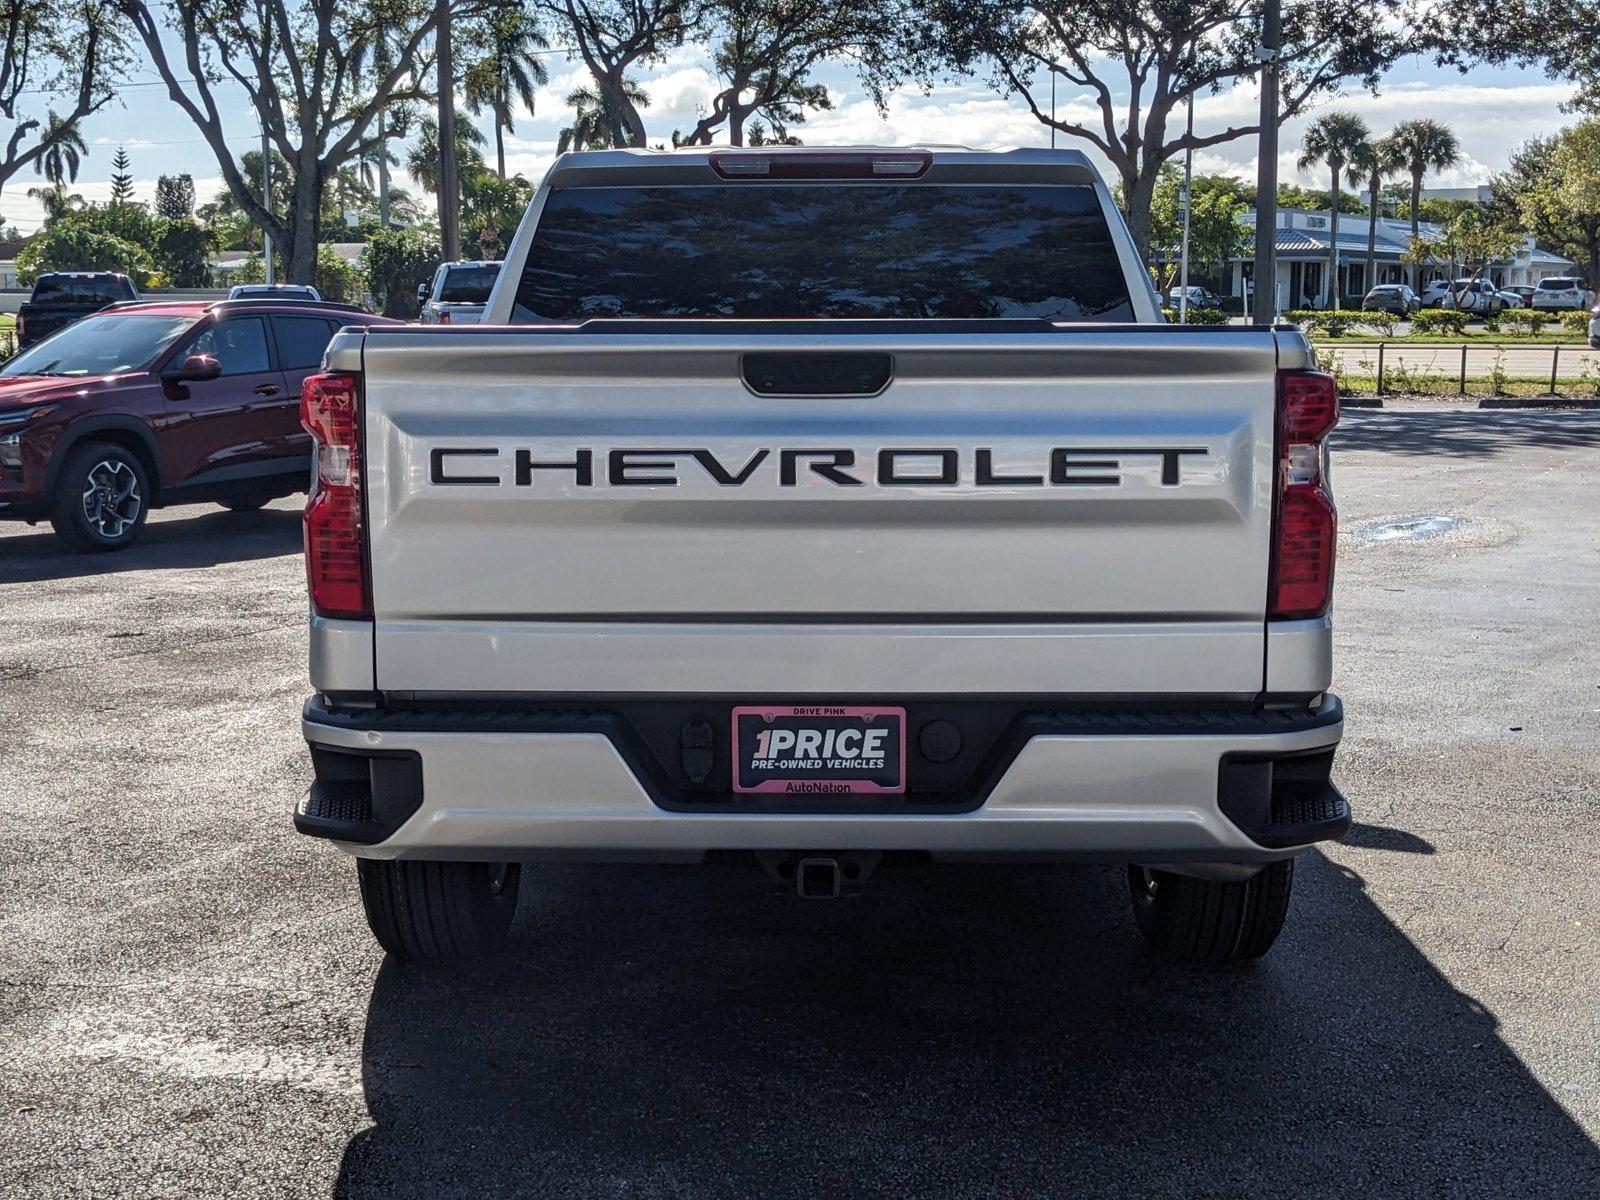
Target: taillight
444, 316
22, 326
1305, 524
336, 540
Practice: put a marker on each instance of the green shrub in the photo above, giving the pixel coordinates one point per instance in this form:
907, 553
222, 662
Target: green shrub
1207, 316
1440, 320
336, 278
1381, 323
395, 262
69, 246
1575, 322
1525, 320
1325, 322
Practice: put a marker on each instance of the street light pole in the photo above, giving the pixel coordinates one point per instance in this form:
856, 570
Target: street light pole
1188, 201
266, 202
449, 211
1265, 308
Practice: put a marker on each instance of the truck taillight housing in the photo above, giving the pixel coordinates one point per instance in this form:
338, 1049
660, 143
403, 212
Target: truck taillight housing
1305, 525
336, 536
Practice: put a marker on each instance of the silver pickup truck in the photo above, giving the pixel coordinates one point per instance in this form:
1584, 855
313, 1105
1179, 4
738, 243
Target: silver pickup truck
818, 506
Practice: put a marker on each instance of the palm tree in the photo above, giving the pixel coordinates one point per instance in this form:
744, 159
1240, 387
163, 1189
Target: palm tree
1334, 140
59, 164
1425, 145
510, 70
56, 201
422, 164
1376, 162
591, 124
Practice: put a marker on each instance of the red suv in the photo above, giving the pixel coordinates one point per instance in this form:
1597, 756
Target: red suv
145, 405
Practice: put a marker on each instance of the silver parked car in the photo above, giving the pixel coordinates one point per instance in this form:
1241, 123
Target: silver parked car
457, 293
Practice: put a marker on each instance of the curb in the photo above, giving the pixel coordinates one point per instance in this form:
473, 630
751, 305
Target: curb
1538, 402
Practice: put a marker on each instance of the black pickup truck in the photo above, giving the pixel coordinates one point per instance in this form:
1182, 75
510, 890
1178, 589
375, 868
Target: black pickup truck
62, 297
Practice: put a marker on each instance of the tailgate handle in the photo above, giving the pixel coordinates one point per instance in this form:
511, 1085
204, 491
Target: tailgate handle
857, 373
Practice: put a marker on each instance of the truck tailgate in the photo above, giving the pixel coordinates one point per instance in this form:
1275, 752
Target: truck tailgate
529, 489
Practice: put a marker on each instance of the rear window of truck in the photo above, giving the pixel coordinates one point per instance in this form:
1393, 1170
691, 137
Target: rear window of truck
756, 251
69, 289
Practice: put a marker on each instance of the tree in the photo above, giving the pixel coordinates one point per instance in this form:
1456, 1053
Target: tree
1561, 35
1371, 165
509, 69
1471, 237
1139, 61
592, 127
121, 178
1334, 140
60, 161
70, 245
175, 196
56, 201
300, 65
763, 52
183, 252
1424, 145
1552, 189
1216, 202
394, 263
69, 51
422, 164
611, 38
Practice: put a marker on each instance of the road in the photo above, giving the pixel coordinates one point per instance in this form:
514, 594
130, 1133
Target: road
190, 1003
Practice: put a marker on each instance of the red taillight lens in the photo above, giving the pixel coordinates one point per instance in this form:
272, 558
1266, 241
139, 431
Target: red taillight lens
444, 316
1305, 523
336, 550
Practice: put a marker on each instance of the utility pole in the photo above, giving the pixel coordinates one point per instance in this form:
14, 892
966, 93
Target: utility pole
1188, 181
1265, 308
266, 201
1052, 108
449, 205
383, 136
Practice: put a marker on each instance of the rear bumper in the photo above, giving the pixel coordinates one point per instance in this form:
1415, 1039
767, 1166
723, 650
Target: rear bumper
1214, 786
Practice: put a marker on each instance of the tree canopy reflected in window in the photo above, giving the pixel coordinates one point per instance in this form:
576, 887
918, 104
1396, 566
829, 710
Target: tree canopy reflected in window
765, 251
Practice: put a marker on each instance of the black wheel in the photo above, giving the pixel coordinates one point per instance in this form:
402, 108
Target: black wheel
437, 912
1208, 920
248, 502
102, 498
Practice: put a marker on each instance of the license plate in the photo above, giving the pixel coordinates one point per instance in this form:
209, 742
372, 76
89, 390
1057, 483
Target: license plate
819, 749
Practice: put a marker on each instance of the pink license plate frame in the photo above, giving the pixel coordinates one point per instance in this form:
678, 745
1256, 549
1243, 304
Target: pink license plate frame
837, 716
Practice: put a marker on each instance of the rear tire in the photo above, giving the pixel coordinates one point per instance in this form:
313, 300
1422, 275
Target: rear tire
102, 498
1210, 921
244, 504
438, 912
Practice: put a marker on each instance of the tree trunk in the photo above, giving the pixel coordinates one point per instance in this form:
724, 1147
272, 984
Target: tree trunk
1416, 204
1333, 239
499, 140
1371, 280
627, 124
300, 251
735, 125
1138, 190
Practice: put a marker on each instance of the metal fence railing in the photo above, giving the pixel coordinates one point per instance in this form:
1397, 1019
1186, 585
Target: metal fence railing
1447, 366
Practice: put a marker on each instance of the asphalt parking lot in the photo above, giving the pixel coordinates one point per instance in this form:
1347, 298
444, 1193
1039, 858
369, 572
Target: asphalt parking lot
190, 1003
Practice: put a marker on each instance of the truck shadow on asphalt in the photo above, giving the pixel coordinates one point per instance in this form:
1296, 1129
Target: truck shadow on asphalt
959, 1031
207, 539
1466, 434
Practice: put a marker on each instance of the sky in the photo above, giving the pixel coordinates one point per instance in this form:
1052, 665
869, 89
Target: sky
1492, 110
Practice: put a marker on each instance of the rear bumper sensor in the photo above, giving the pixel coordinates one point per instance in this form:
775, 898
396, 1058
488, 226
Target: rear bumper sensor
1282, 800
360, 796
